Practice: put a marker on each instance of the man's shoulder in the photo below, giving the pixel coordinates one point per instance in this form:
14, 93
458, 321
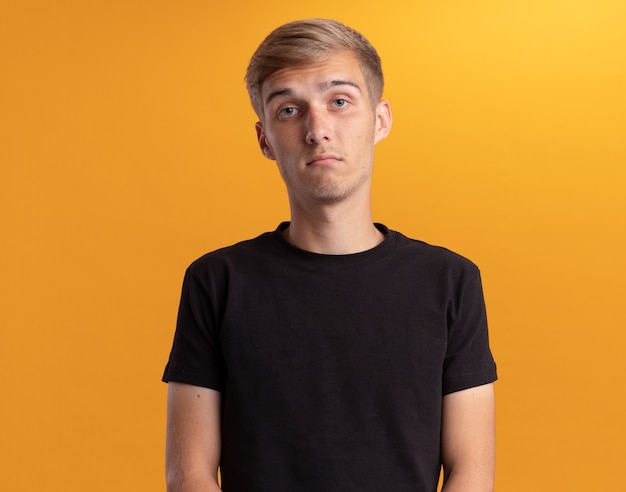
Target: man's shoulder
431, 254
237, 252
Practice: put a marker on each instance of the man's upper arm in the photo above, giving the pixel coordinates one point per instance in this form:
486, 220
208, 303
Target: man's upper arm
193, 440
468, 440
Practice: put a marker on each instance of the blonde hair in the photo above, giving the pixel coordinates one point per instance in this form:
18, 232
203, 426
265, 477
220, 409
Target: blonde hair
306, 41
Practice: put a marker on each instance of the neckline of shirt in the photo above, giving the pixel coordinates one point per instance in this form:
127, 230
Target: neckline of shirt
375, 253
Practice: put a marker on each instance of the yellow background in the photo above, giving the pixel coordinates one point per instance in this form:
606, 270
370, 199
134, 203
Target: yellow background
128, 150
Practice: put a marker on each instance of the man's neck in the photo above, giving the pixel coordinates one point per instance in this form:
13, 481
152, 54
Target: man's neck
333, 230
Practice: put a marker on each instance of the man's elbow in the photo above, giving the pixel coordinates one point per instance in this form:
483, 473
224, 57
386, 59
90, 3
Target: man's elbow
174, 479
179, 480
468, 482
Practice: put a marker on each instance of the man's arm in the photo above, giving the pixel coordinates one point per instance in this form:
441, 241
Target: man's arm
193, 440
468, 440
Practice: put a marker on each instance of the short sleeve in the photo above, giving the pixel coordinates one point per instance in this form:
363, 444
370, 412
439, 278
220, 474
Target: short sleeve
468, 361
196, 356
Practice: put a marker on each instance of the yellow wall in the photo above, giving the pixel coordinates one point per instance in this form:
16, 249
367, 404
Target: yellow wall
127, 150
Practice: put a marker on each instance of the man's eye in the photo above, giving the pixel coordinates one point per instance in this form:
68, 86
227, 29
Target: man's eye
340, 103
289, 111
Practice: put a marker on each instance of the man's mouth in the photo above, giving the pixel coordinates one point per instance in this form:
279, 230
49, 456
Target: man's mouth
324, 160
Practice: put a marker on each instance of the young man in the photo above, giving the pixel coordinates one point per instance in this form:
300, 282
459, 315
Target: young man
332, 354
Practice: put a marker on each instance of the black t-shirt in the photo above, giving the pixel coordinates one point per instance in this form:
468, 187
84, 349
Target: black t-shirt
332, 368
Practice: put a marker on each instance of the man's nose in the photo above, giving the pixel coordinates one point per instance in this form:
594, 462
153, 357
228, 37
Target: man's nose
317, 126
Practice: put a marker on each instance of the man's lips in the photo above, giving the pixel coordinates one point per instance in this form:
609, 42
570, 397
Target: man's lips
323, 160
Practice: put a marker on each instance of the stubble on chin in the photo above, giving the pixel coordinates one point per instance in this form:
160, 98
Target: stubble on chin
328, 189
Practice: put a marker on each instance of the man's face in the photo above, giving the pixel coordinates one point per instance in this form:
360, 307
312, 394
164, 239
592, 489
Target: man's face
319, 125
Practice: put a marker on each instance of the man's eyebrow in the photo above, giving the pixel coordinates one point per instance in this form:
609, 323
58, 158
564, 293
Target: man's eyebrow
279, 92
323, 86
335, 83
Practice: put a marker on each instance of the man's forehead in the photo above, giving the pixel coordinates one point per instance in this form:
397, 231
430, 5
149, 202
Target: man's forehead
336, 70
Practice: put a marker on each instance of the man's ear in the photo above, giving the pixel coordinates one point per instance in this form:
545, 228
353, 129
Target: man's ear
265, 147
383, 121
